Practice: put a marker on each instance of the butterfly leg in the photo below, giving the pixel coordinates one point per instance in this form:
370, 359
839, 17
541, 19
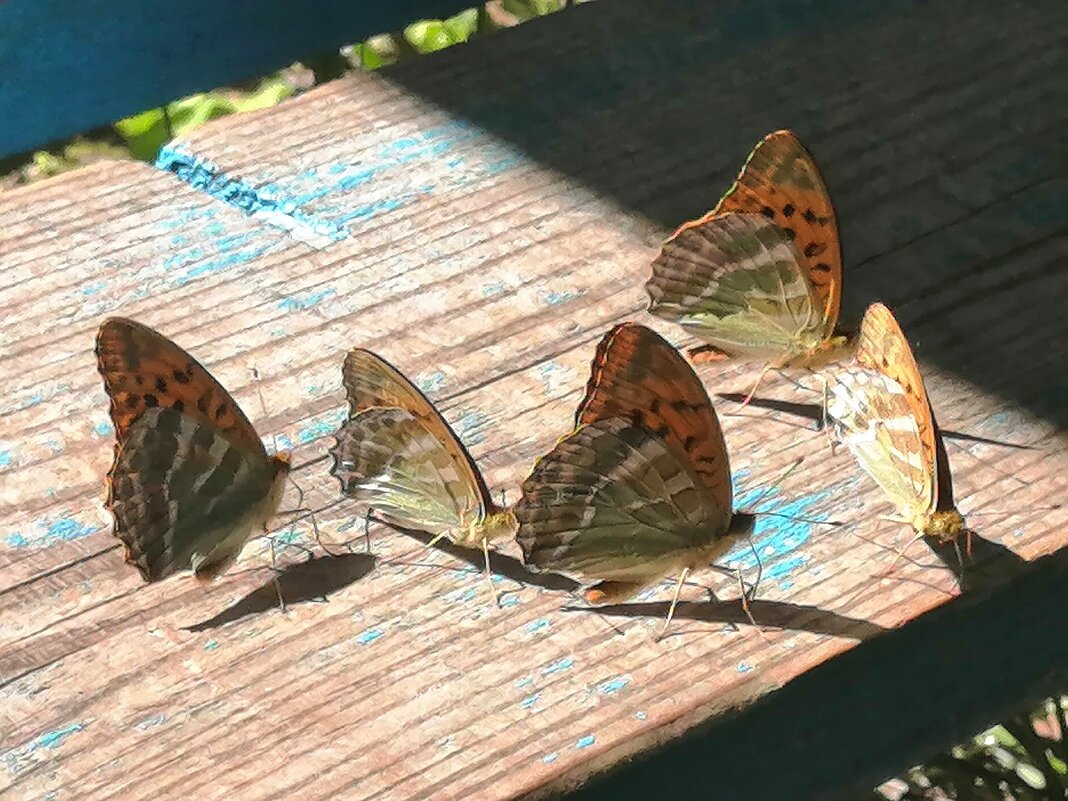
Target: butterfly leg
489, 573
674, 603
277, 583
756, 386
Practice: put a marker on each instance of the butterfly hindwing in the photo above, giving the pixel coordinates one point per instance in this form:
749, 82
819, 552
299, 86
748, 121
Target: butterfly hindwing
388, 458
614, 502
185, 497
735, 282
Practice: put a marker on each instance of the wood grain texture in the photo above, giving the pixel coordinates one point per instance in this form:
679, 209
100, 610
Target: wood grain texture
486, 240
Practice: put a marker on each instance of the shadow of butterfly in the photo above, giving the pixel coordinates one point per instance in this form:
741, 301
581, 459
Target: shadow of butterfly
881, 412
759, 277
395, 454
641, 489
191, 481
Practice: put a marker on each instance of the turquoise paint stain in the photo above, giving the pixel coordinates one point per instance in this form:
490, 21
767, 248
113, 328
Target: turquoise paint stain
6, 459
530, 700
225, 262
152, 722
472, 426
64, 529
94, 289
641, 715
179, 240
553, 298
585, 742
493, 290
556, 667
103, 428
16, 540
306, 301
205, 176
538, 625
54, 445
509, 600
744, 667
284, 442
549, 759
463, 597
184, 258
20, 759
614, 686
432, 382
369, 210
321, 428
526, 681
369, 636
211, 645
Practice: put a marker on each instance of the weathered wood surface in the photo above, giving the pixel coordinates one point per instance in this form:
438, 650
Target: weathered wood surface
486, 264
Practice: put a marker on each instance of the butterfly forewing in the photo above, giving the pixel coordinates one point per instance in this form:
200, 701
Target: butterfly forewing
735, 282
142, 369
388, 459
638, 376
780, 181
613, 501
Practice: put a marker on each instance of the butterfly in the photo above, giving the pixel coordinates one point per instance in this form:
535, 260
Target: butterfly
191, 480
881, 412
396, 454
759, 277
641, 488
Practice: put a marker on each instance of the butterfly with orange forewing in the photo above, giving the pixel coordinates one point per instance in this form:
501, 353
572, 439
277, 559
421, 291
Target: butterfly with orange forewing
759, 277
641, 489
396, 454
881, 412
191, 480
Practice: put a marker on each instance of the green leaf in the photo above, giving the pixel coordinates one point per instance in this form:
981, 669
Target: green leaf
461, 26
144, 133
428, 35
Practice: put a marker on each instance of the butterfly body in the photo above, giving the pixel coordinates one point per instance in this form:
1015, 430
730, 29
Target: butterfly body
641, 488
397, 455
191, 480
881, 412
759, 277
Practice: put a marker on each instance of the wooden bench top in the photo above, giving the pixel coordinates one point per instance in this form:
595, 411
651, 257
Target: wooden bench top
480, 217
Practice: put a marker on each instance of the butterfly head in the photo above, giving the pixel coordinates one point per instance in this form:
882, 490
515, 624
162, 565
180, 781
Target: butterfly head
815, 351
946, 526
282, 462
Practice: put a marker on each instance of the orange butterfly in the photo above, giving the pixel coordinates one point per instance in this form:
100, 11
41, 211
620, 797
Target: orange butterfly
883, 415
759, 276
642, 487
191, 480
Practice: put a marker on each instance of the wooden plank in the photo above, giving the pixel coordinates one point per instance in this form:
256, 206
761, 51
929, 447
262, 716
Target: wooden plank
487, 265
70, 67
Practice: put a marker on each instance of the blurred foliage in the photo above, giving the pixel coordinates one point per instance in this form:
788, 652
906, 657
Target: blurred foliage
1023, 759
142, 135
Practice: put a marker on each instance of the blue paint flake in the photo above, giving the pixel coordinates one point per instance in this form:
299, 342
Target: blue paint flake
549, 759
94, 289
510, 600
744, 667
103, 428
472, 426
211, 645
432, 382
205, 176
526, 681
553, 298
6, 459
152, 722
641, 716
585, 742
493, 290
538, 625
306, 301
614, 686
20, 759
64, 529
530, 700
556, 667
369, 636
322, 428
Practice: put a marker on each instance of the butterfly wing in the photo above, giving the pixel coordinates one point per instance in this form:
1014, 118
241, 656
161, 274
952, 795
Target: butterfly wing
142, 369
190, 479
637, 375
874, 419
735, 280
185, 496
372, 383
614, 502
388, 459
780, 180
